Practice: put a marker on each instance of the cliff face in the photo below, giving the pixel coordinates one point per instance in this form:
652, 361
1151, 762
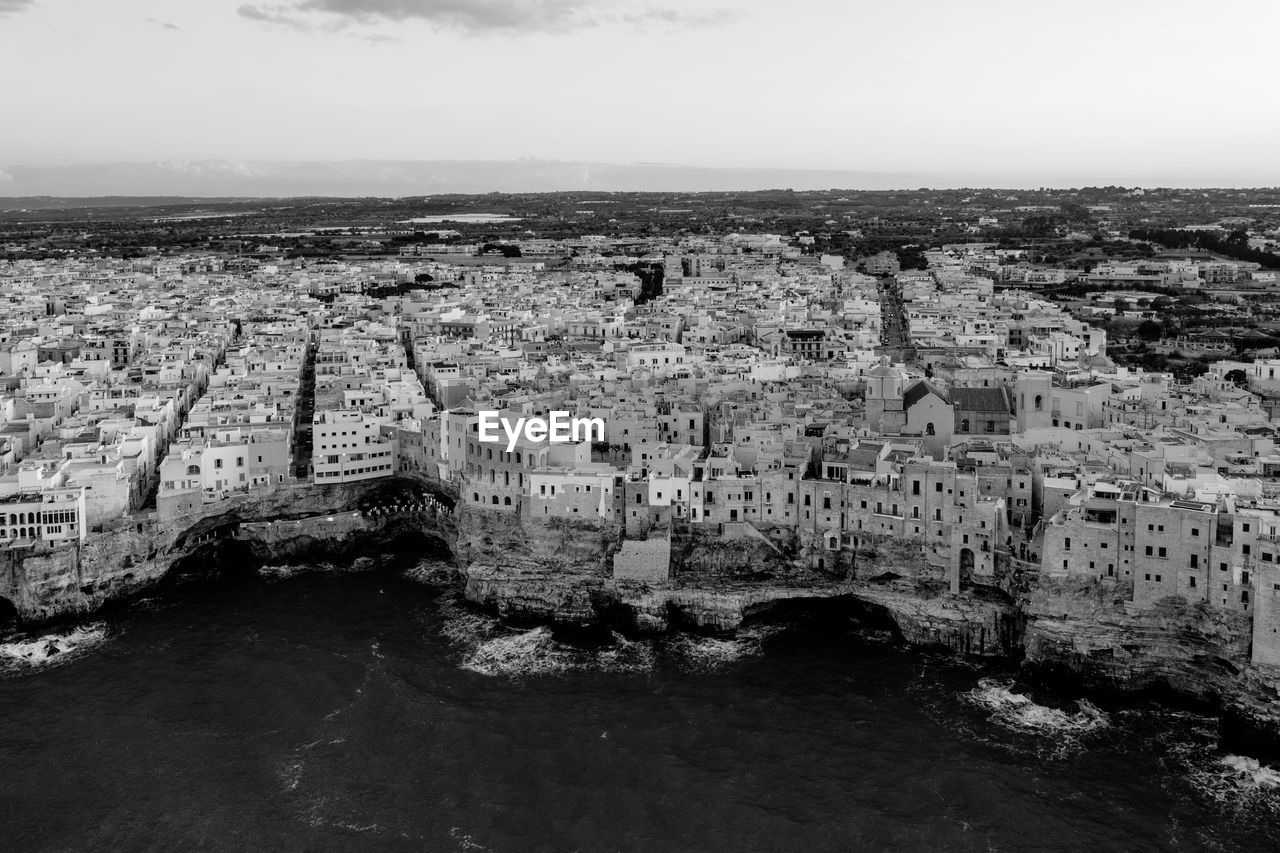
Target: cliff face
561, 572
131, 554
1083, 630
1084, 633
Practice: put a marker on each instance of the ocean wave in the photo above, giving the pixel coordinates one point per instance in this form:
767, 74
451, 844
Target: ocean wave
532, 652
1019, 712
537, 652
1251, 773
282, 572
51, 648
464, 626
429, 573
1236, 784
625, 655
491, 648
707, 653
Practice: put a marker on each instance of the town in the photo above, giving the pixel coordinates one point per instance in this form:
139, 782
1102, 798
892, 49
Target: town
995, 416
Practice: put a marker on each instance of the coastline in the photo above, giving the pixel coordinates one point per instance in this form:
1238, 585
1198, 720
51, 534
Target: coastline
1067, 638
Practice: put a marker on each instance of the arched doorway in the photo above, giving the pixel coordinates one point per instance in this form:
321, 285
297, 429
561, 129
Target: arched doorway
966, 563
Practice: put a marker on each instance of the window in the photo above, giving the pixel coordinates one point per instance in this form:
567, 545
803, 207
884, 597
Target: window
1162, 553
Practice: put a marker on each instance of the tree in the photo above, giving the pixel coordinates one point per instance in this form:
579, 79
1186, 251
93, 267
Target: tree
1237, 377
1150, 330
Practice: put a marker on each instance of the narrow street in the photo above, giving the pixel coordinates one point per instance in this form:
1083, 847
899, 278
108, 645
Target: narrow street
306, 409
893, 334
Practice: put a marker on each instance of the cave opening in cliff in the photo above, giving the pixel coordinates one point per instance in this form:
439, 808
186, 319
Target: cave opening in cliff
233, 559
8, 615
841, 615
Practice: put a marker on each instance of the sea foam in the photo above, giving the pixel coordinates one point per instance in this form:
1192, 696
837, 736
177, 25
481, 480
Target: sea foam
532, 652
490, 648
51, 648
1019, 712
1237, 785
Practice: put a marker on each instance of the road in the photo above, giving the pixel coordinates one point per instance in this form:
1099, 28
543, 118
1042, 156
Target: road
893, 334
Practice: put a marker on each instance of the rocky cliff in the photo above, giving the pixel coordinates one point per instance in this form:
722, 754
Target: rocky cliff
560, 572
130, 555
1083, 634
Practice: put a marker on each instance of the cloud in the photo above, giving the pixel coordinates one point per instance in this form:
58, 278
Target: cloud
165, 24
271, 15
13, 7
477, 17
677, 19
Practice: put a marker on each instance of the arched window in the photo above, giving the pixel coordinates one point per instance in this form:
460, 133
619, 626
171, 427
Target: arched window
1039, 403
193, 469
928, 429
475, 497
495, 500
507, 501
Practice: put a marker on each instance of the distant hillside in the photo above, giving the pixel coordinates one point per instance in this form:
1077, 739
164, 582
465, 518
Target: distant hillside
175, 182
45, 202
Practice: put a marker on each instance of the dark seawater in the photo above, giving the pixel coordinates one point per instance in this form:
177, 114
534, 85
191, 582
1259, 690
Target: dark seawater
364, 711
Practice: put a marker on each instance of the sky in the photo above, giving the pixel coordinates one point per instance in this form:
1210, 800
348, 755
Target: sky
1052, 93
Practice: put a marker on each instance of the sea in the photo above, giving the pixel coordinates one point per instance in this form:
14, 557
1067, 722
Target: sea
313, 709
